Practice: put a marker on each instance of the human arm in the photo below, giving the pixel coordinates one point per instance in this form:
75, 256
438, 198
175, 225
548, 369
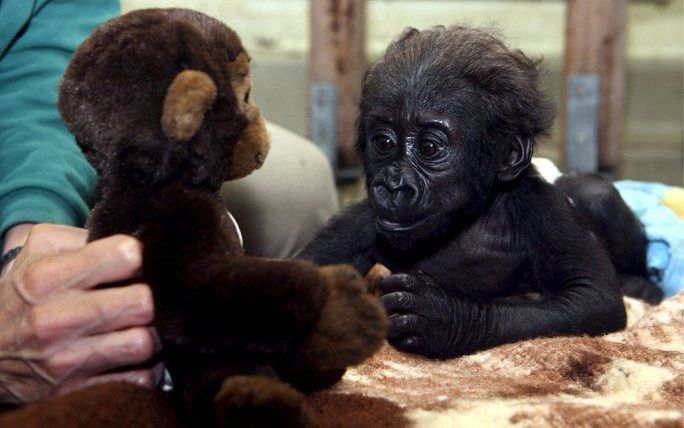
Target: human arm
44, 177
59, 332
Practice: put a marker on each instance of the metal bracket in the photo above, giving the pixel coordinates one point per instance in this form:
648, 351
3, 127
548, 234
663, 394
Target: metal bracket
324, 118
582, 138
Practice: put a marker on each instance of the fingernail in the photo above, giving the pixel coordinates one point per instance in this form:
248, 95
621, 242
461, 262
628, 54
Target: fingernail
143, 381
130, 251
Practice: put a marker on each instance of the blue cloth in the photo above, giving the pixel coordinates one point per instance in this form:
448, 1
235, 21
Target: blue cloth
664, 230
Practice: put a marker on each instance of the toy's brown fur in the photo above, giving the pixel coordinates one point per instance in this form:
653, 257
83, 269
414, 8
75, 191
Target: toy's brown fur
111, 405
159, 101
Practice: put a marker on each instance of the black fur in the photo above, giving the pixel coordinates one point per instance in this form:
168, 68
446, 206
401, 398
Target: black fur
609, 217
448, 121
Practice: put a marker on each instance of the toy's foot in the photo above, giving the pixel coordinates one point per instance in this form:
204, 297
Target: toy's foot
352, 323
258, 401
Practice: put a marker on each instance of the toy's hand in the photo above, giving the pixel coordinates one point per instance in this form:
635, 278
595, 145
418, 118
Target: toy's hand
57, 332
352, 324
375, 276
423, 318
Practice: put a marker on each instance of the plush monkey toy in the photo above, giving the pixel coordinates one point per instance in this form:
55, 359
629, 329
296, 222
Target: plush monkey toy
159, 100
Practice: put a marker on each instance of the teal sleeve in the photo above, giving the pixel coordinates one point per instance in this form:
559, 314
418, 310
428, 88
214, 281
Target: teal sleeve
44, 177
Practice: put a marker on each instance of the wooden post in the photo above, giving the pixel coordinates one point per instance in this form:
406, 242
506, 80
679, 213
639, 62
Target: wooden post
595, 45
337, 59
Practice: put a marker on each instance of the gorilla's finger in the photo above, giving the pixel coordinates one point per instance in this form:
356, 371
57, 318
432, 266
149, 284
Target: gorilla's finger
413, 344
399, 282
406, 325
400, 302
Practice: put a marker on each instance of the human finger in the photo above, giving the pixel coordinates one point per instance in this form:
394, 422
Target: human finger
111, 259
147, 378
85, 314
97, 354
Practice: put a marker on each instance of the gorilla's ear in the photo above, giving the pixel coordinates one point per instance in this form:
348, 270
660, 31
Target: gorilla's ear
189, 97
519, 157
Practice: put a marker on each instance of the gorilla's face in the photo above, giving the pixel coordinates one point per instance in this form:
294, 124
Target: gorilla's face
444, 114
427, 169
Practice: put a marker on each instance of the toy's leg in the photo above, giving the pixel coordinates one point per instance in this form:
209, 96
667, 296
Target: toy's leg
310, 323
115, 404
265, 305
258, 401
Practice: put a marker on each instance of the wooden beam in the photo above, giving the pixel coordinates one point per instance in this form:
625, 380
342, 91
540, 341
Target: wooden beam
337, 57
595, 44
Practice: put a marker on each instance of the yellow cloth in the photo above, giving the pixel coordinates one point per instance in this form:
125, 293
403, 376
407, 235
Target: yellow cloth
674, 200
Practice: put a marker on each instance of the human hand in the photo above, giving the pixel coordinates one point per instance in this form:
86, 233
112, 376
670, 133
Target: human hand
57, 332
424, 319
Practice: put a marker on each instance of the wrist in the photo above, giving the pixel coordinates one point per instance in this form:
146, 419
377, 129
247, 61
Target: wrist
16, 236
469, 326
8, 258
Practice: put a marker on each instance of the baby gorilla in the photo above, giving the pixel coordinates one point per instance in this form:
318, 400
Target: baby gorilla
448, 122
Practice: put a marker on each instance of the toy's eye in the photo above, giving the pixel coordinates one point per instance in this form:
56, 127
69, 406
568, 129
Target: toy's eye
246, 99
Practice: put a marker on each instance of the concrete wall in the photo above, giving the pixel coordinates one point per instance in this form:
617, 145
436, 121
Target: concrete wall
276, 32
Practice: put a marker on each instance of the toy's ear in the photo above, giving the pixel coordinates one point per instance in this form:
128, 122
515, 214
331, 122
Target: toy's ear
189, 97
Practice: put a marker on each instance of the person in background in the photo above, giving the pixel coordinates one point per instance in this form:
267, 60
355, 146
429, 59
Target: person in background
58, 330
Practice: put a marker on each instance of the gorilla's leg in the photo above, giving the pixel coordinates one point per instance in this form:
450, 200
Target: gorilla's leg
617, 227
641, 288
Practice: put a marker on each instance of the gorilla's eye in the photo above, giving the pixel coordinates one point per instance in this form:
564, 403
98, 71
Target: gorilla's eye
382, 143
428, 148
246, 99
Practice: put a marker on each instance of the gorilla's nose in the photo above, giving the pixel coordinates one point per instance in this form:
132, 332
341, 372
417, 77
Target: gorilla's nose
397, 195
402, 195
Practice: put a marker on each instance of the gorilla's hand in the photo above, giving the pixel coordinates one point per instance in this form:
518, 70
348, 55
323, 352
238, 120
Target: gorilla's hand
425, 320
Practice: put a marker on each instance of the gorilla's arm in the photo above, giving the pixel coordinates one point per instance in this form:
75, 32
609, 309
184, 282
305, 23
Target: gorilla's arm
349, 237
566, 265
426, 320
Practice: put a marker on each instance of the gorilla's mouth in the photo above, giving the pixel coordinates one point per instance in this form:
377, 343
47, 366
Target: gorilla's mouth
387, 225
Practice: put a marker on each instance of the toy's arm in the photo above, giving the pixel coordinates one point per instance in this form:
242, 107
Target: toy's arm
247, 301
113, 215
